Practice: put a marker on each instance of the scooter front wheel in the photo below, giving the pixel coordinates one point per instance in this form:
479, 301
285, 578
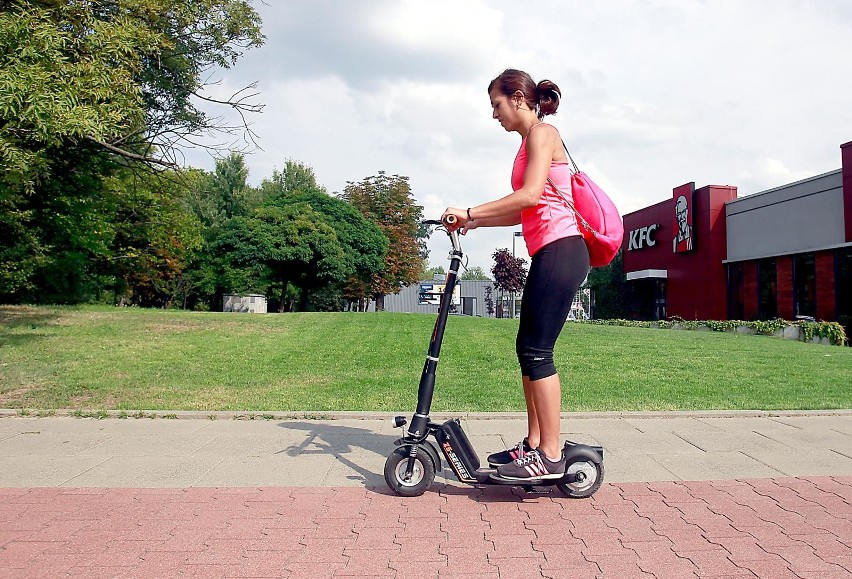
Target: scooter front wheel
586, 478
422, 475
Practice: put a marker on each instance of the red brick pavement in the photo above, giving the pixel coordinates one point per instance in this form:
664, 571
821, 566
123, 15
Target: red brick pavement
774, 528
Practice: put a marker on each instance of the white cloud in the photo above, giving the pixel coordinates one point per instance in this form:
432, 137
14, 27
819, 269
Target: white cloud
441, 26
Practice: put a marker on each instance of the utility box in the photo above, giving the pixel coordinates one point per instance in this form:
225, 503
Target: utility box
251, 303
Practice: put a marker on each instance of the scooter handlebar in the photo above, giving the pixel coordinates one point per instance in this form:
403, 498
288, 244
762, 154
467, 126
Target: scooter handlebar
447, 221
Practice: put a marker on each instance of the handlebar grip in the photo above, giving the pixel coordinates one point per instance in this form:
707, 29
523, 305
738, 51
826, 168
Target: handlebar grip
450, 220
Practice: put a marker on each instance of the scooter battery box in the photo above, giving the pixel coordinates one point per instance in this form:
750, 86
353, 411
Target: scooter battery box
458, 450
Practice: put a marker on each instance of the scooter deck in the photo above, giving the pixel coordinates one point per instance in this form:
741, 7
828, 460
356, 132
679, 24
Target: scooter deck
489, 476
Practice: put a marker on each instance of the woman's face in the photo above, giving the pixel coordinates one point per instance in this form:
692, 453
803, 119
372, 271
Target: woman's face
503, 109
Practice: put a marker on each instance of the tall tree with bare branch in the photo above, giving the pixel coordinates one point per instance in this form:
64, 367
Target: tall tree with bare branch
90, 87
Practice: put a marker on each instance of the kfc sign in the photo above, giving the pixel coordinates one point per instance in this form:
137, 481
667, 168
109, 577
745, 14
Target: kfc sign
684, 238
642, 237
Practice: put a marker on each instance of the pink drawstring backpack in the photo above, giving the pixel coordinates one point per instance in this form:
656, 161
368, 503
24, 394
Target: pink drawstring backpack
597, 217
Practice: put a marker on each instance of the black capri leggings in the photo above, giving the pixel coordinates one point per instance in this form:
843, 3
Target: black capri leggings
556, 272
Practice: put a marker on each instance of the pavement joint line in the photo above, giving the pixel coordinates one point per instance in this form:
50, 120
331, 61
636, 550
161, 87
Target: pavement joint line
79, 474
662, 466
264, 415
840, 453
766, 436
689, 442
703, 420
769, 466
779, 420
206, 472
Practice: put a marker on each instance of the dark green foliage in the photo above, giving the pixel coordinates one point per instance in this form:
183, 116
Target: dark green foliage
87, 88
612, 294
475, 273
292, 243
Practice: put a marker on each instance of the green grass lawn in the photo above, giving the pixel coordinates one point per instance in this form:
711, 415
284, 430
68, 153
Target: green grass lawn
131, 359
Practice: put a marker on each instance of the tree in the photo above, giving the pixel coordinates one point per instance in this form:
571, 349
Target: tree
433, 272
292, 244
85, 89
362, 241
54, 239
612, 295
510, 275
229, 192
387, 201
155, 240
127, 76
489, 300
475, 273
296, 177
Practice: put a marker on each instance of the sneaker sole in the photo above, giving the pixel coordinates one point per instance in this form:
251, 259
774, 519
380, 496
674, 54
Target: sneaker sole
531, 478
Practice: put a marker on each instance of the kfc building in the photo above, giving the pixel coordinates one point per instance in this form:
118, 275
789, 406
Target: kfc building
705, 254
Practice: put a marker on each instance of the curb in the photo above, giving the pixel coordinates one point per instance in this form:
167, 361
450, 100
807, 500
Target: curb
358, 415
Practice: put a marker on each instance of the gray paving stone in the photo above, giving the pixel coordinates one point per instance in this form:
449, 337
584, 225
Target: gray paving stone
714, 466
194, 450
813, 462
43, 470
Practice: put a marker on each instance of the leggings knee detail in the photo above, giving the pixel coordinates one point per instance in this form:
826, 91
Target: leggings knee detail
536, 364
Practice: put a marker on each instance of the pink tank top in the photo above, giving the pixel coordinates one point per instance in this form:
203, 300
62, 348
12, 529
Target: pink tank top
551, 218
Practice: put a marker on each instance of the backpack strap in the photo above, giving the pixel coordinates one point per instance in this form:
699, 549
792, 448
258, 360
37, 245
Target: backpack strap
581, 221
576, 169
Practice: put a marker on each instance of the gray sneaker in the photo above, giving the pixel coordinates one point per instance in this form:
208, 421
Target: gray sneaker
533, 466
510, 454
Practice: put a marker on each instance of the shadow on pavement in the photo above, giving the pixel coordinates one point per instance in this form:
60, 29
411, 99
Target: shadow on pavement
342, 441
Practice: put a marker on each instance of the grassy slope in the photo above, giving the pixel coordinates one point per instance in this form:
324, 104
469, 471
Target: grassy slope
106, 358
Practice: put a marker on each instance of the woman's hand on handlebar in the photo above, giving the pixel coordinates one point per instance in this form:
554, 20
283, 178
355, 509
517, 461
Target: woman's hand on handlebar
459, 216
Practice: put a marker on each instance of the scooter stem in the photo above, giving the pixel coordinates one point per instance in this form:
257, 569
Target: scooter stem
419, 423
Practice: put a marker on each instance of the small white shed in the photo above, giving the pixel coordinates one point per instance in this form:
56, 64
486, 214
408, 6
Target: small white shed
251, 303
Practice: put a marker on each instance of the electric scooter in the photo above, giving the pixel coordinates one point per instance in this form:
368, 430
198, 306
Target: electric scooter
411, 467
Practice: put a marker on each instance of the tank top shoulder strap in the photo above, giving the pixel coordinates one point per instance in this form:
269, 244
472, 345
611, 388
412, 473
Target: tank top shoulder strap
563, 142
534, 126
530, 131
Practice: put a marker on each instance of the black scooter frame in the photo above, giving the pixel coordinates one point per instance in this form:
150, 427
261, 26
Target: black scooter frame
409, 473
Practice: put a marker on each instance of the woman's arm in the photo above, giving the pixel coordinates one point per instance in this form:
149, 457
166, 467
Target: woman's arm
504, 221
541, 144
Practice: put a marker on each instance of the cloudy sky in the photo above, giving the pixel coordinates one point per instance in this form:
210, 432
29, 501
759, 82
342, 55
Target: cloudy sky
656, 93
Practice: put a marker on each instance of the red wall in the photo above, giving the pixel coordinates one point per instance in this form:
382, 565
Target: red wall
846, 155
696, 286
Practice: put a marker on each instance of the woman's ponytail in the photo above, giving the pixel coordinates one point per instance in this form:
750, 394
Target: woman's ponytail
547, 96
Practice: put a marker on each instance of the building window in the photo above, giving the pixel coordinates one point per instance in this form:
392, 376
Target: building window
660, 299
843, 279
767, 289
736, 292
804, 285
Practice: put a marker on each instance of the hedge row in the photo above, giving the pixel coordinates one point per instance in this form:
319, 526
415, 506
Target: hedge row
820, 332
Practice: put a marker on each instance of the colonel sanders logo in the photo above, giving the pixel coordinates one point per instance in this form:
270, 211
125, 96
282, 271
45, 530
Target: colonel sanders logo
683, 224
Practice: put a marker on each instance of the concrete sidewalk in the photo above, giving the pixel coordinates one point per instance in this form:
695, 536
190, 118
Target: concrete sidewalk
351, 451
747, 494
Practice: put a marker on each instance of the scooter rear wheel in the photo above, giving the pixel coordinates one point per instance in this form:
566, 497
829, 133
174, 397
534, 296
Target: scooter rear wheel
588, 479
422, 475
